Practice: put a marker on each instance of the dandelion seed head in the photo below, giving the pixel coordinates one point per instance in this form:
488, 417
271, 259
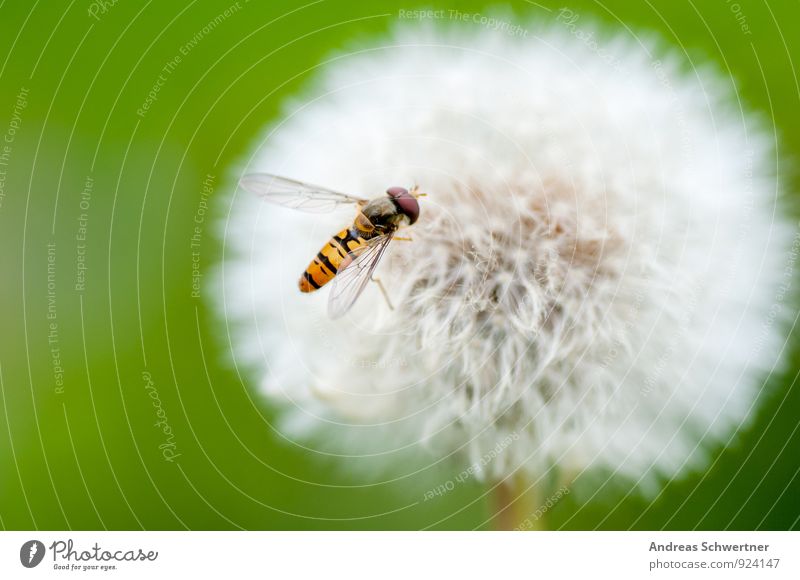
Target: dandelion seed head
591, 270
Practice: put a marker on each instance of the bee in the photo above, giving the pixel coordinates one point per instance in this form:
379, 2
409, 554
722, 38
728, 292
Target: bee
351, 256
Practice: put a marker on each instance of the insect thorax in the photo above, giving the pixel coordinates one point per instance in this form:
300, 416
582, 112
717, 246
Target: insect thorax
379, 216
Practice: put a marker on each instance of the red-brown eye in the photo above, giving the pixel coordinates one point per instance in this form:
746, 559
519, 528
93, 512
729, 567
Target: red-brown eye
405, 202
396, 191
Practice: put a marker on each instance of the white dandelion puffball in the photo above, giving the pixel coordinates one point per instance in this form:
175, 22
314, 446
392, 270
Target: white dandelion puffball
590, 280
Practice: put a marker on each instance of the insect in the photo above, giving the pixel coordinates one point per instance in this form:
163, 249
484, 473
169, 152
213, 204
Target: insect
351, 256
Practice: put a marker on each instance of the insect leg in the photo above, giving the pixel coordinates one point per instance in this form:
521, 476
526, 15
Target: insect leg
384, 292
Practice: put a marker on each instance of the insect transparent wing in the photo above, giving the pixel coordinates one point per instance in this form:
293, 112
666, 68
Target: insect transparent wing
296, 194
351, 280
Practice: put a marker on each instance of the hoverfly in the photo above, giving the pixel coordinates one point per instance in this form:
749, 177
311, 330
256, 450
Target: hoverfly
351, 256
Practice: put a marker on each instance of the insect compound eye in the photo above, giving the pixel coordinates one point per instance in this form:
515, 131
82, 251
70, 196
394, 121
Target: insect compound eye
405, 202
395, 192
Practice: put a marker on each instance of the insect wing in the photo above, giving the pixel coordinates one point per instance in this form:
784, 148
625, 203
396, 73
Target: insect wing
351, 280
296, 194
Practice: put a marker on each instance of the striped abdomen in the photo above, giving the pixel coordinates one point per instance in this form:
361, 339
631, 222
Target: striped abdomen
324, 266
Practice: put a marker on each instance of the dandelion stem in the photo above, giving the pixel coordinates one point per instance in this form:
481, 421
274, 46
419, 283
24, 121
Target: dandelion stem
516, 506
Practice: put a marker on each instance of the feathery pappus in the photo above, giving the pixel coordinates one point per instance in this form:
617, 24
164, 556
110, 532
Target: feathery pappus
592, 278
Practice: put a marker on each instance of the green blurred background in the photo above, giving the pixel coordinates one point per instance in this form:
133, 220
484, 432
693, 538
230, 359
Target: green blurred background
85, 454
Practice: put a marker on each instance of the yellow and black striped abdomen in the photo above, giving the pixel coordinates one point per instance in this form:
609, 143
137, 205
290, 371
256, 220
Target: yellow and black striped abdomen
324, 266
